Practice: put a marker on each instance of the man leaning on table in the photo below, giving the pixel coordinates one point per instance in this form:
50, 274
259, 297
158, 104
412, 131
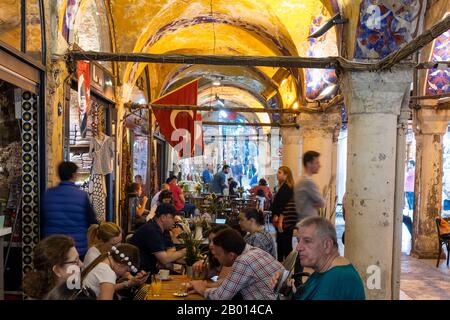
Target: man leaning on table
154, 242
251, 270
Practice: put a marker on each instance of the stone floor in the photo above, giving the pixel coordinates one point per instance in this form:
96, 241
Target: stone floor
421, 280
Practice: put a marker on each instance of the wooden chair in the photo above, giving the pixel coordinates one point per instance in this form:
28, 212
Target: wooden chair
443, 240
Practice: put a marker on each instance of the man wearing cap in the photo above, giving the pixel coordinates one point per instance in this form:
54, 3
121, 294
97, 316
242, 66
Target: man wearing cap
154, 241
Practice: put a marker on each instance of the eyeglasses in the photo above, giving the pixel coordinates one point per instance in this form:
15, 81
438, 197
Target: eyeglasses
76, 261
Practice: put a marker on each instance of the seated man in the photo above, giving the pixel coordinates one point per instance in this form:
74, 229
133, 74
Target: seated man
154, 241
334, 277
252, 221
178, 197
251, 270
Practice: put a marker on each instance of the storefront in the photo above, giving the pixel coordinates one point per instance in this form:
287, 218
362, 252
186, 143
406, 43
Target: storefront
22, 148
93, 148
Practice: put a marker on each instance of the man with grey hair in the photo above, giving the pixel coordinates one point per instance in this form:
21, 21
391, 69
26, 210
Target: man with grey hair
334, 277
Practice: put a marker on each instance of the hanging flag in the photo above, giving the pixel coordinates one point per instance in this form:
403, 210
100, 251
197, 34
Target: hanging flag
84, 94
178, 126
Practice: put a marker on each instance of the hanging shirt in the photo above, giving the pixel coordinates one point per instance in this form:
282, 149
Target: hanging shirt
102, 153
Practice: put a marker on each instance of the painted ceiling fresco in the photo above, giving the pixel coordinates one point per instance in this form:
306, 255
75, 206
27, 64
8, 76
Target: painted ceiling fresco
246, 27
438, 80
385, 26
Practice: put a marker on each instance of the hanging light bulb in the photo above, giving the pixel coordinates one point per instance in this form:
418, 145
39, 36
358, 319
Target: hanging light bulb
295, 106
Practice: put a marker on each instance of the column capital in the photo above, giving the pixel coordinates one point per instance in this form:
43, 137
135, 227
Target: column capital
320, 124
427, 120
376, 92
291, 135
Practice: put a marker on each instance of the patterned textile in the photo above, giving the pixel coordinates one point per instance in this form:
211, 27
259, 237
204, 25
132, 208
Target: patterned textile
97, 194
250, 275
263, 240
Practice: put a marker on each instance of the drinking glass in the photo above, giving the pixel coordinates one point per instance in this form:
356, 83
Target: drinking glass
156, 286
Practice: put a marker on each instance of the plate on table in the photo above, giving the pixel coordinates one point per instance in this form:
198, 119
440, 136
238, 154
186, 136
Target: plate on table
167, 279
180, 295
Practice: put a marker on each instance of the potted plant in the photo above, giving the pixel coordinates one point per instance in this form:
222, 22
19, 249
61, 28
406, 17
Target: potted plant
215, 205
193, 246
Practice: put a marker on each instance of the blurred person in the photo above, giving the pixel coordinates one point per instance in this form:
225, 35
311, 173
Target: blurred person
67, 209
306, 193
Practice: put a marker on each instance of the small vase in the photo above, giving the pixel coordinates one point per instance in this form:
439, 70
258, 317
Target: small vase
198, 233
189, 272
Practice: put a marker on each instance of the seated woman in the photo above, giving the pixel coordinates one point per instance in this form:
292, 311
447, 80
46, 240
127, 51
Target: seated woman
101, 275
101, 238
252, 222
165, 196
55, 258
137, 205
211, 265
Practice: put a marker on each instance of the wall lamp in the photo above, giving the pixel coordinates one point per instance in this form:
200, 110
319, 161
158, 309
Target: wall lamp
337, 19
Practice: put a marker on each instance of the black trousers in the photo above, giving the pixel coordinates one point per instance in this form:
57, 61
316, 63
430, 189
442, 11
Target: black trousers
284, 244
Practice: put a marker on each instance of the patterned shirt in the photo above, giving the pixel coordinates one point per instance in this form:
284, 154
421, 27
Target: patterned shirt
263, 240
250, 275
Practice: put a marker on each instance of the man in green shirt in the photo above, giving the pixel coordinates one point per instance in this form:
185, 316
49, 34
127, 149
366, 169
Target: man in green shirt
334, 277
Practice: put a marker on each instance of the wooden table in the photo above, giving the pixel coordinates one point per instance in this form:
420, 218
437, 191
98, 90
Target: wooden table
169, 287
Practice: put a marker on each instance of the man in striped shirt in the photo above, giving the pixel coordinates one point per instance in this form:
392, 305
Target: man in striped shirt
251, 273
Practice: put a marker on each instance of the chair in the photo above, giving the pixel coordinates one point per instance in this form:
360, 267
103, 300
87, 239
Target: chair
443, 239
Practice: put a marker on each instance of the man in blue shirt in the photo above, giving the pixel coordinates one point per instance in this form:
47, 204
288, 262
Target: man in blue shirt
154, 242
334, 277
220, 180
67, 209
207, 174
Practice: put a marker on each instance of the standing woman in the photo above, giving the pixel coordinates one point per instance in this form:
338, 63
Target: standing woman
101, 238
284, 212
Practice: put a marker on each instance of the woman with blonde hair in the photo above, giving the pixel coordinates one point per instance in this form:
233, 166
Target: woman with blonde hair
284, 212
101, 238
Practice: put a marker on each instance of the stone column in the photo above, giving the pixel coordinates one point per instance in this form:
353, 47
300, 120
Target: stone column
318, 134
373, 101
429, 126
291, 142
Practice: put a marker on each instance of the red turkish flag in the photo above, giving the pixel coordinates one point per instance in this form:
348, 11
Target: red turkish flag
178, 126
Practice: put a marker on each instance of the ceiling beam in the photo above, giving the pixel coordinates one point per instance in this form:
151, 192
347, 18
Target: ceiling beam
248, 124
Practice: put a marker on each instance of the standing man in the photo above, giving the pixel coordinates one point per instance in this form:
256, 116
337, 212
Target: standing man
208, 174
238, 171
67, 210
306, 193
220, 180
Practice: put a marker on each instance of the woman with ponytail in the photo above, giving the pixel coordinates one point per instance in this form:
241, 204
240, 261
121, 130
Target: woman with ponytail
101, 275
54, 259
101, 238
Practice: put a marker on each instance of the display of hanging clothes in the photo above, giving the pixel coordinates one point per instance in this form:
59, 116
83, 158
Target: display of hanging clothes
101, 151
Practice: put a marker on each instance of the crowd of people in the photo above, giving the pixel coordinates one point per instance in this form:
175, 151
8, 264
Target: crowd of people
80, 258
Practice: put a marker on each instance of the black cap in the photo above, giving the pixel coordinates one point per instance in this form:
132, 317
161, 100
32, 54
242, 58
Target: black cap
165, 208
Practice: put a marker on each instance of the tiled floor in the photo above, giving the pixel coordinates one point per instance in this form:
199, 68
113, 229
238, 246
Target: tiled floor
421, 280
